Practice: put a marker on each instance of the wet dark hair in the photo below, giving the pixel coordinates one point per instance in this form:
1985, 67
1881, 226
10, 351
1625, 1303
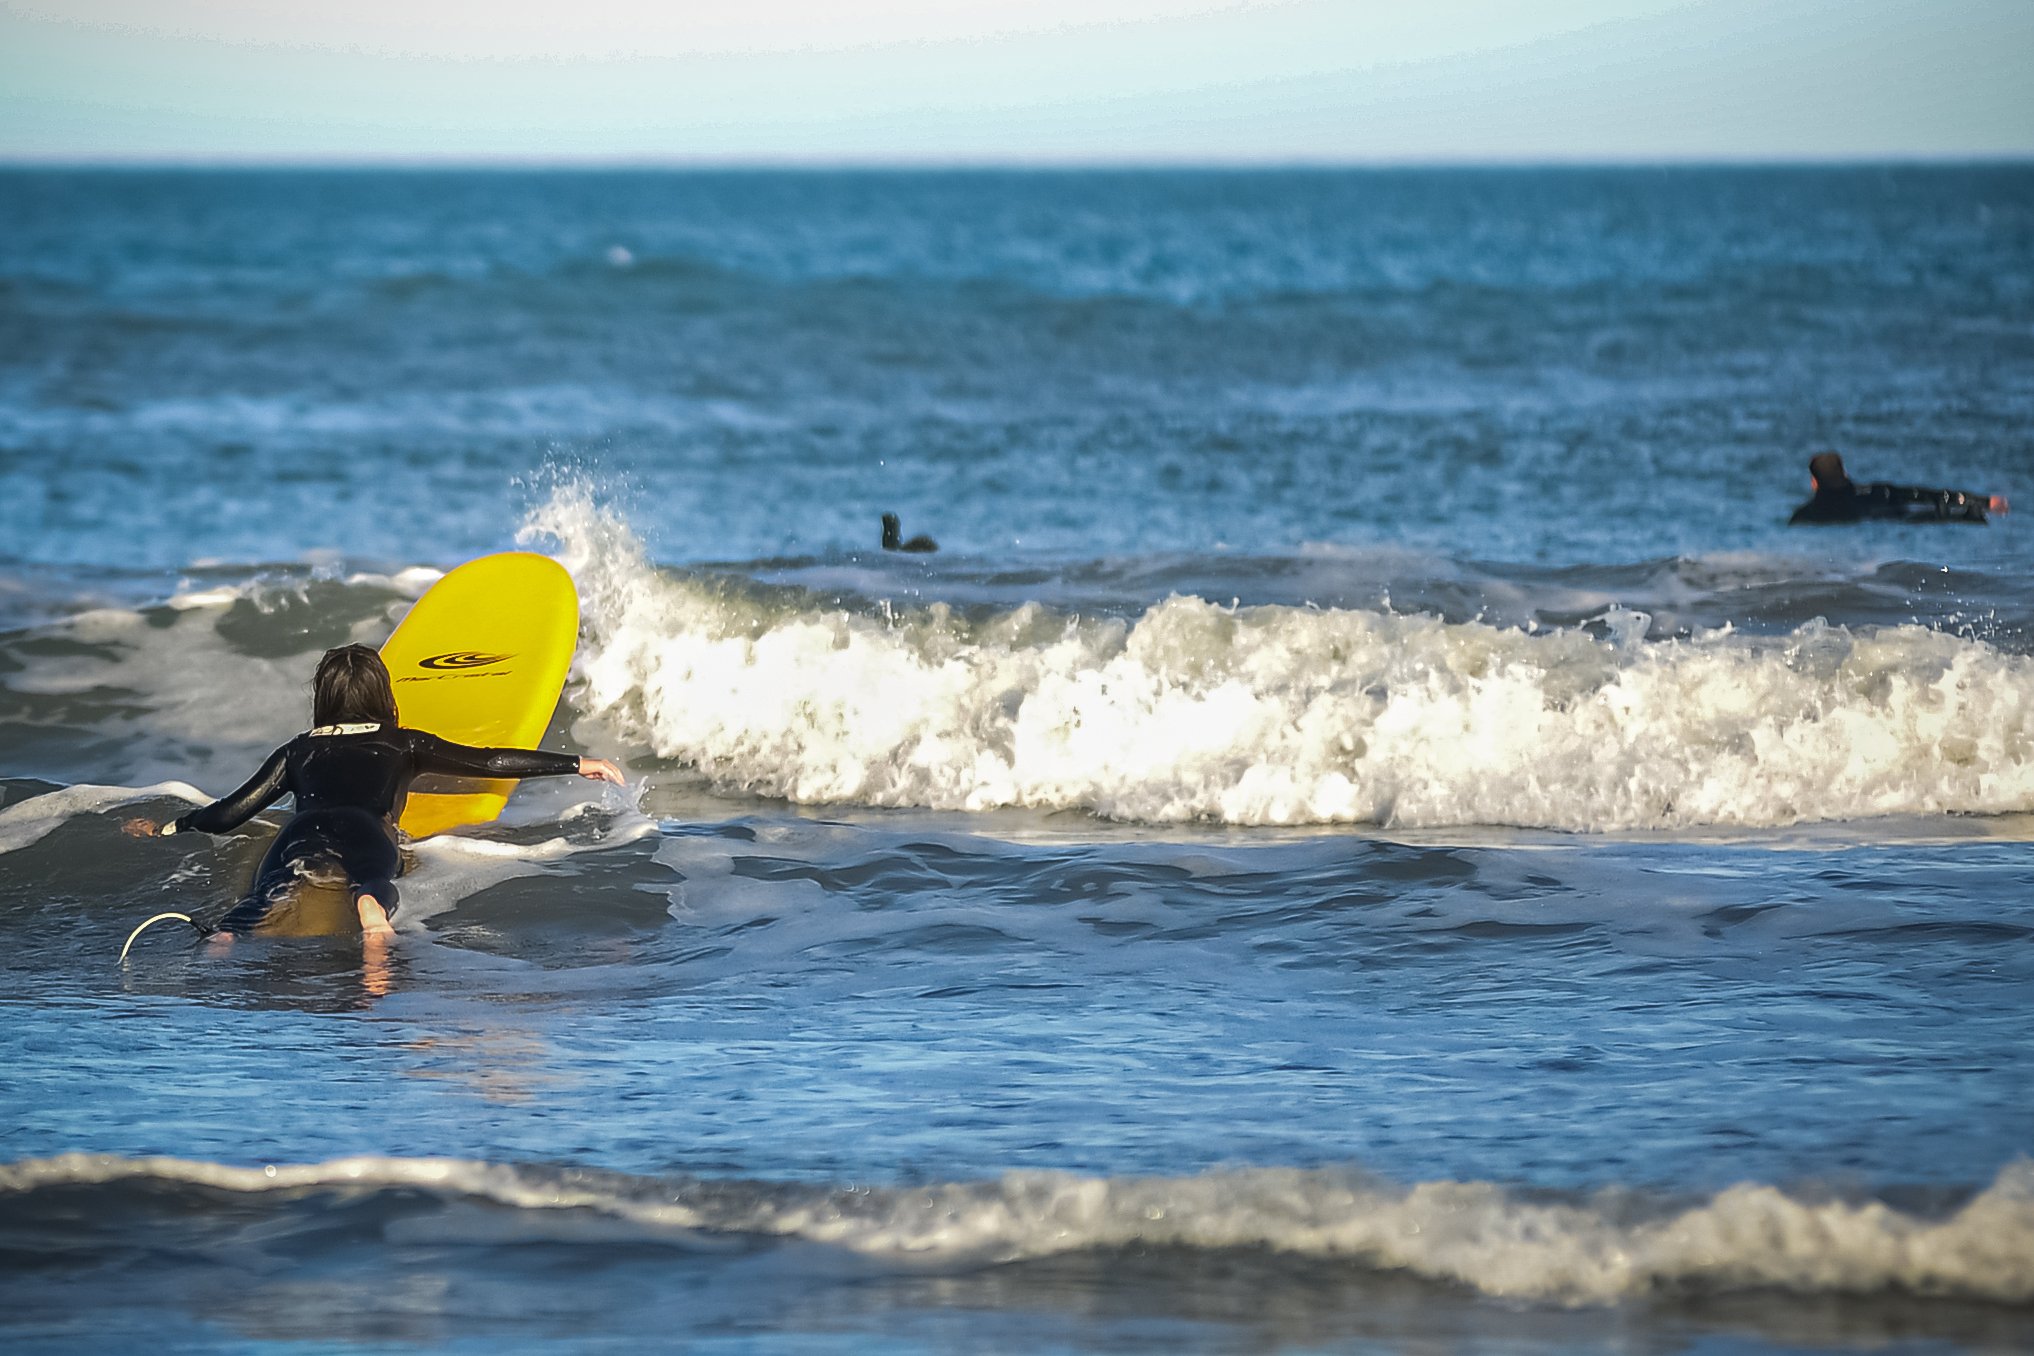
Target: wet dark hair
352, 685
1827, 469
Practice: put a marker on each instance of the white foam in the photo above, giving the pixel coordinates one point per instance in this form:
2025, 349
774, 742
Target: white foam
412, 582
1579, 1250
195, 599
32, 820
192, 701
185, 687
1281, 715
451, 867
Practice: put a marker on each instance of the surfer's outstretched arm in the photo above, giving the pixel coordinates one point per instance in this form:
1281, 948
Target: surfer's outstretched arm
1950, 504
445, 758
263, 789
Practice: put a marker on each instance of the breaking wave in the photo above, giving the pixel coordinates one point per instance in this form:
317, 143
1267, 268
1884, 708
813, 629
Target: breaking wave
1281, 715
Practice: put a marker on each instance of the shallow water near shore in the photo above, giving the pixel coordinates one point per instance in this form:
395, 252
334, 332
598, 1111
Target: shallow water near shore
1370, 835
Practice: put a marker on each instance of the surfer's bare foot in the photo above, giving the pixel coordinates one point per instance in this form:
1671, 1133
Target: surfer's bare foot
374, 924
375, 935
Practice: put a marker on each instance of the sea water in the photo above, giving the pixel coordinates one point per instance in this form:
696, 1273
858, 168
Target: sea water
1370, 834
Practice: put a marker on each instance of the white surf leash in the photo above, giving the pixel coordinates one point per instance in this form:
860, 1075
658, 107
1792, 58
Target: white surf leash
203, 931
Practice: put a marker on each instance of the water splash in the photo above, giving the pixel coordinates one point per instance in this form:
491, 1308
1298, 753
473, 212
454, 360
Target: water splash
1277, 715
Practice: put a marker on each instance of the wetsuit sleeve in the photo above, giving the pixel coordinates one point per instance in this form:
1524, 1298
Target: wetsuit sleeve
1946, 503
443, 757
262, 790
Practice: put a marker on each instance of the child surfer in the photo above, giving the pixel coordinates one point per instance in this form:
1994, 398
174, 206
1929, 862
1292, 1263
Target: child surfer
350, 775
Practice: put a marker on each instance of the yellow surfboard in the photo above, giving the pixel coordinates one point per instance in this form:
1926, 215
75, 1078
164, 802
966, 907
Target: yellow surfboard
481, 660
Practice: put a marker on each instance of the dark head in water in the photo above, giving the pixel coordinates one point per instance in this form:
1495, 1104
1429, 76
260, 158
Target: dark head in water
893, 537
1825, 469
351, 685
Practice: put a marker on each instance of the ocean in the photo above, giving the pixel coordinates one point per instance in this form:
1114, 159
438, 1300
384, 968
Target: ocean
1370, 834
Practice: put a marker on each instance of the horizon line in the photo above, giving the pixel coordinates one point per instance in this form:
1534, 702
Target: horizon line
992, 164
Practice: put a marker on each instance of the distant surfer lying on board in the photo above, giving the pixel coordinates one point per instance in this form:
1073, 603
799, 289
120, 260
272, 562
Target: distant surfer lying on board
1839, 499
351, 774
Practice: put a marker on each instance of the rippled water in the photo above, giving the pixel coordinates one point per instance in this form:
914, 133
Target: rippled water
1371, 833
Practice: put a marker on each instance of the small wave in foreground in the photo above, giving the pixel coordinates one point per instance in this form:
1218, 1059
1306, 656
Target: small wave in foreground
1596, 1249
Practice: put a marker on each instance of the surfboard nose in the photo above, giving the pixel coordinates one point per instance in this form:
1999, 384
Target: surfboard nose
481, 659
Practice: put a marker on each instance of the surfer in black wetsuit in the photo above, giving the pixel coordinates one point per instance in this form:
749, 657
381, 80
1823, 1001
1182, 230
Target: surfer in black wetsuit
1839, 499
350, 775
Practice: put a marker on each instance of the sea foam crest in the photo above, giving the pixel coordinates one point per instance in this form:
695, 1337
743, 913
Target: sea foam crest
28, 822
1283, 715
1580, 1250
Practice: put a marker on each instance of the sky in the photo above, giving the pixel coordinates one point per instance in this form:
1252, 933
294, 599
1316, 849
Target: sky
1007, 82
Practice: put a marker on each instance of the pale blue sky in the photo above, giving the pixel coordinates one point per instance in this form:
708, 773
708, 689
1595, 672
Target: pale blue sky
990, 81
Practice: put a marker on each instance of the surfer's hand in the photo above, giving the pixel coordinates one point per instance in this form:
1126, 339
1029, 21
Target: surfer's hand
139, 828
600, 770
1996, 504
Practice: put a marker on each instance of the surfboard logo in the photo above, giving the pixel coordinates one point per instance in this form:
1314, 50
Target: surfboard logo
462, 659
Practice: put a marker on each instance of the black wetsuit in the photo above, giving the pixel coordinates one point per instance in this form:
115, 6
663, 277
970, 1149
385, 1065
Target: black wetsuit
1851, 502
350, 782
